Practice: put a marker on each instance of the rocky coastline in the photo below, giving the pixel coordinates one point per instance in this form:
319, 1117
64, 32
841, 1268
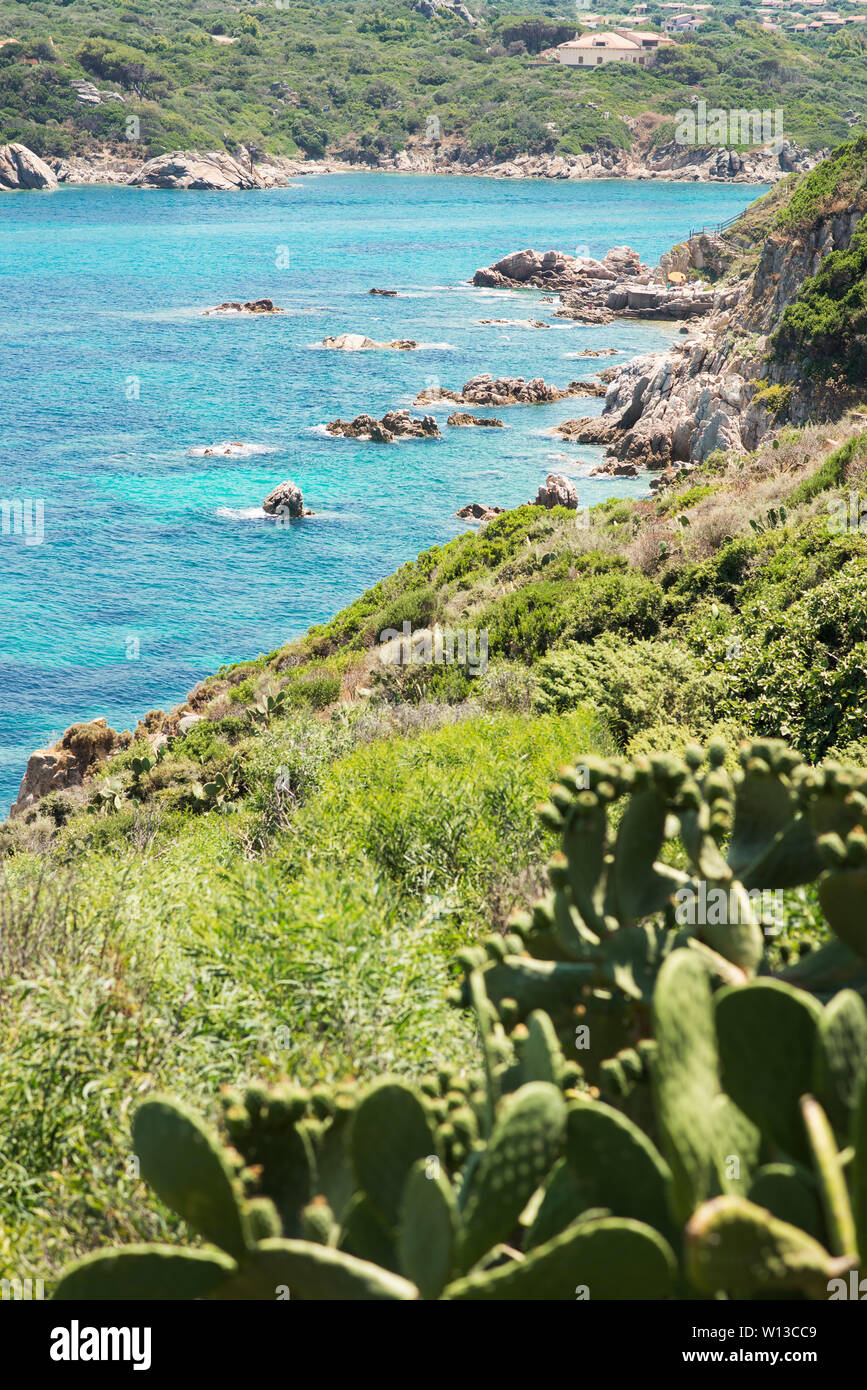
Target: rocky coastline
219, 171
720, 387
597, 291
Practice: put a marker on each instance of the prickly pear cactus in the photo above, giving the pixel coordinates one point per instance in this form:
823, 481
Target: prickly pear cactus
735, 1246
662, 851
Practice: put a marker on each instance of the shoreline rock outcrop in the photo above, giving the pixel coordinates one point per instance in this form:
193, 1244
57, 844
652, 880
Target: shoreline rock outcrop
189, 169
710, 391
557, 491
507, 390
395, 424
597, 291
214, 172
21, 169
64, 764
669, 163
478, 511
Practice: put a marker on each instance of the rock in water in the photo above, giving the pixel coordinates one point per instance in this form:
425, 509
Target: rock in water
250, 306
461, 417
478, 511
286, 501
388, 294
213, 172
557, 491
358, 342
508, 390
21, 168
395, 424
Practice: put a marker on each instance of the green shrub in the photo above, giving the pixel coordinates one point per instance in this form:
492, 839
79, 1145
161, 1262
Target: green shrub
646, 1159
315, 690
203, 744
799, 671
527, 622
632, 685
825, 327
721, 575
623, 602
417, 606
832, 473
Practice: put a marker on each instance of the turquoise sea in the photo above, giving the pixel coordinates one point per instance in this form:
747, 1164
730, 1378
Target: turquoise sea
153, 565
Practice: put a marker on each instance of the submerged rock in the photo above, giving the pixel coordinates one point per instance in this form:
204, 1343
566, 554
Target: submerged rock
395, 424
387, 294
286, 501
20, 168
250, 306
232, 448
514, 323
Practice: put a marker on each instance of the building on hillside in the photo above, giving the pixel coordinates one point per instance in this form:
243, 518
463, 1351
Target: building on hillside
615, 46
683, 23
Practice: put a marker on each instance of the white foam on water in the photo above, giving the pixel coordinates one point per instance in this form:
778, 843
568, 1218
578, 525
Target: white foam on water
229, 448
242, 514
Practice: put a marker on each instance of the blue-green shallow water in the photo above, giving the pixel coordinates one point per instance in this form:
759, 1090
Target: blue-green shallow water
111, 375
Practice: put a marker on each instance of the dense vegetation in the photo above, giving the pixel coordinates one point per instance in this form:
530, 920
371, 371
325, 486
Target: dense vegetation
363, 79
720, 1152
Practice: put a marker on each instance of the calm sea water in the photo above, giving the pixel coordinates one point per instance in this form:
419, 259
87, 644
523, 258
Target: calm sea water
156, 565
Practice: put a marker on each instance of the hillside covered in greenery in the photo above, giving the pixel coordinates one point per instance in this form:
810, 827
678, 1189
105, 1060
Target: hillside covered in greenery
364, 79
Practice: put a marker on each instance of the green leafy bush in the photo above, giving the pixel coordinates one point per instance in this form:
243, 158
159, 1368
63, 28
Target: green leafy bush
799, 672
633, 685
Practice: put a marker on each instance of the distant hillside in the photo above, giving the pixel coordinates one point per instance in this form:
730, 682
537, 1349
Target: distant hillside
366, 80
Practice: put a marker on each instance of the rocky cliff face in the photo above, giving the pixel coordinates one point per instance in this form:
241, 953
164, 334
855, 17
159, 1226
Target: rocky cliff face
710, 391
789, 258
66, 763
